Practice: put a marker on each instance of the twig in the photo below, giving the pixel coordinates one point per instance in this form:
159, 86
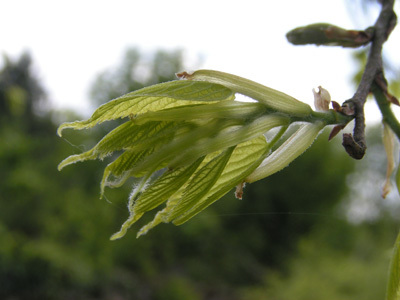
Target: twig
356, 146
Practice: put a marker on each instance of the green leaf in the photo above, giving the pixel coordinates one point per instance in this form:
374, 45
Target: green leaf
157, 193
219, 110
176, 147
164, 187
230, 136
139, 159
125, 136
121, 168
162, 215
288, 151
393, 287
273, 99
127, 224
154, 98
245, 159
208, 143
202, 181
157, 152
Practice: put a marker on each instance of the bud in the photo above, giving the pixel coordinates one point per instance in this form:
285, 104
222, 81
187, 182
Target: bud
329, 35
322, 99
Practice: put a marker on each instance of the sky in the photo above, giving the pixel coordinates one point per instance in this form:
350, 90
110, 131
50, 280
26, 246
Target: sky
71, 42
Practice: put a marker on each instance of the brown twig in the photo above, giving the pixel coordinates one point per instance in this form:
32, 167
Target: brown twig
355, 144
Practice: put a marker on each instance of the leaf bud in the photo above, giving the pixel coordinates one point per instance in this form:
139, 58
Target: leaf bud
322, 99
329, 35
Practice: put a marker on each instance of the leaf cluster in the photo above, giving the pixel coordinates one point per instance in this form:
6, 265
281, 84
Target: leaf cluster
189, 142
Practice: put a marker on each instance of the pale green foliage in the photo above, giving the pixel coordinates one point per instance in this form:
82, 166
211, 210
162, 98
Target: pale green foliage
211, 182
271, 98
190, 143
153, 98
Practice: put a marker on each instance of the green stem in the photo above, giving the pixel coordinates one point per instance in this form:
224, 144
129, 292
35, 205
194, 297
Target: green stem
330, 117
274, 140
386, 111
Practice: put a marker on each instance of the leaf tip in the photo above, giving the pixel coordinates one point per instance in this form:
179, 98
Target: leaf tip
335, 131
62, 164
239, 190
184, 75
63, 126
117, 236
60, 129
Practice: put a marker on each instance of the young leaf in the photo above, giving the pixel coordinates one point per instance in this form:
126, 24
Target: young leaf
154, 98
157, 193
244, 159
177, 146
138, 160
179, 184
219, 110
162, 215
124, 136
164, 187
208, 143
288, 151
202, 181
121, 168
273, 99
231, 136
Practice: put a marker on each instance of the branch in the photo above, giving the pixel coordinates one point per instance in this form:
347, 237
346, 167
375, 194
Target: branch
356, 146
386, 111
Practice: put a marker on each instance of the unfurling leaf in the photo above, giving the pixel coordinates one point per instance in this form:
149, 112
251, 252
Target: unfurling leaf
154, 98
189, 143
243, 160
293, 147
271, 98
125, 136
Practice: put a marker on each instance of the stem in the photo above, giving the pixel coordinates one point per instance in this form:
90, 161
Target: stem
383, 26
330, 117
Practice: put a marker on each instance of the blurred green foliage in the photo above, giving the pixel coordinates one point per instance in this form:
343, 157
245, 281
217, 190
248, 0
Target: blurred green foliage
285, 240
335, 261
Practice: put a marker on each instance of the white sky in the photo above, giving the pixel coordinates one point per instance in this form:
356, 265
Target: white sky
73, 41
